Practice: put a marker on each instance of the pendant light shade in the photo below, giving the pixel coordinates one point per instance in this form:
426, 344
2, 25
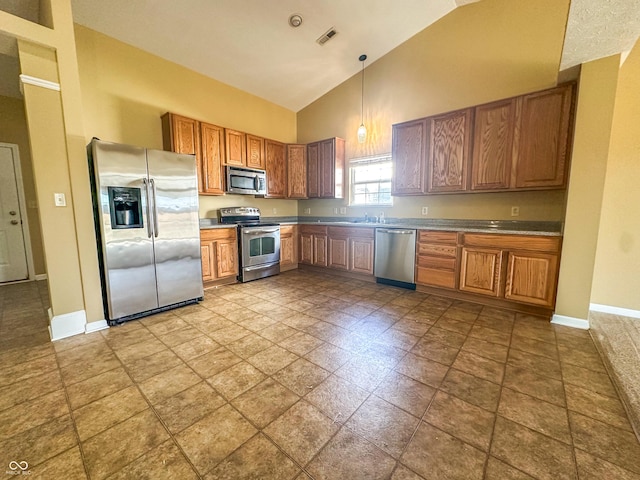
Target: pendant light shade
362, 130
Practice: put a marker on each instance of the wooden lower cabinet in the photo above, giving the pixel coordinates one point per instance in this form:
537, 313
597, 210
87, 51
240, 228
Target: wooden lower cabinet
288, 247
338, 253
313, 245
437, 259
520, 268
219, 248
481, 271
351, 249
531, 278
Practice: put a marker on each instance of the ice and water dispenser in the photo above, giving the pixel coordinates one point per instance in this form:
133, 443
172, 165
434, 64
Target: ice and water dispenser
125, 205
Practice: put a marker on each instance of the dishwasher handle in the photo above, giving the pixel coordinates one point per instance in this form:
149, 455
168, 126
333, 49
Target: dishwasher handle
395, 231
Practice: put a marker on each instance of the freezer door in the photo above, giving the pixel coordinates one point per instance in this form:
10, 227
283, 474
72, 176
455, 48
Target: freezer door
126, 234
174, 194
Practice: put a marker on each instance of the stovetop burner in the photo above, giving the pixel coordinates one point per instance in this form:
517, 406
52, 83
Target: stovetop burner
242, 216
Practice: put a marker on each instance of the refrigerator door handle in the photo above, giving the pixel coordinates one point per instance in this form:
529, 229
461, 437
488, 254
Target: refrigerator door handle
146, 186
155, 208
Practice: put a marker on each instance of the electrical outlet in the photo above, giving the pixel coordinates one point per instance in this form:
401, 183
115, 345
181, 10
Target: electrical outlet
307, 211
343, 210
59, 200
335, 210
515, 211
425, 210
275, 210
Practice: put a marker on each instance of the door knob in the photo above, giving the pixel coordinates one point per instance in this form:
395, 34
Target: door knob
14, 222
12, 212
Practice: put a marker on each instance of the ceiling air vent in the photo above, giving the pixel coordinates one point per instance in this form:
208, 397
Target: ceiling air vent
328, 35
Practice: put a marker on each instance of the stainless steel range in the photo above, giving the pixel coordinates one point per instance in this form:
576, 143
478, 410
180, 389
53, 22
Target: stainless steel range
258, 242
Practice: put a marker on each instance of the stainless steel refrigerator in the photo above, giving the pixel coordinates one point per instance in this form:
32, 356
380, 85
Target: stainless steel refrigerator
146, 215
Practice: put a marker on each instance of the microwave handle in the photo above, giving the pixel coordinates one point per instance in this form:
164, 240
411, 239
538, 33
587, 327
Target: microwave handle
256, 183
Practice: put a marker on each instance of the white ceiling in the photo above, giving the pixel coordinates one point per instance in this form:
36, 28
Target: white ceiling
248, 43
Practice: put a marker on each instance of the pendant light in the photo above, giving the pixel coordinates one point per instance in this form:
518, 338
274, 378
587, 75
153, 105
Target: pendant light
362, 130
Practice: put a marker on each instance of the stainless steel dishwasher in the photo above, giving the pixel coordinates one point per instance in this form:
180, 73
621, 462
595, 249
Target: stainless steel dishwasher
395, 257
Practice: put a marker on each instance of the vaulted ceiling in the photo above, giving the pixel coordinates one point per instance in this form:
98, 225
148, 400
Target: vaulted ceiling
250, 45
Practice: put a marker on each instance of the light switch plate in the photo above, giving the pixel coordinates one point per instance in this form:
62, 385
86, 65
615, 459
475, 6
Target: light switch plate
343, 210
59, 200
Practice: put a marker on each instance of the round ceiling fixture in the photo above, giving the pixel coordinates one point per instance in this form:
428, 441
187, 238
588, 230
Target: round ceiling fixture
295, 20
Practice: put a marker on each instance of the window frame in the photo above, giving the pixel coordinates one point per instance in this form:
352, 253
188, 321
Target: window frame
365, 161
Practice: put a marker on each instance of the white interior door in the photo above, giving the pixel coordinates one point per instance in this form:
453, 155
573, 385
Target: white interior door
13, 259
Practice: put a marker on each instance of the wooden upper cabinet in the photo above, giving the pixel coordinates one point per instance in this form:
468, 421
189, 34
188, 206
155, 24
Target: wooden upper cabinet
542, 138
313, 169
449, 146
255, 152
408, 154
182, 135
276, 167
236, 148
491, 157
326, 168
296, 171
212, 138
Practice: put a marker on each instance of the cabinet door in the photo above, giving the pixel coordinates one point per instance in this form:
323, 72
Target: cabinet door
326, 169
313, 168
408, 153
276, 169
226, 258
212, 156
207, 254
492, 155
320, 250
361, 255
531, 278
481, 271
297, 171
182, 135
338, 253
542, 138
306, 248
287, 251
448, 157
255, 152
236, 148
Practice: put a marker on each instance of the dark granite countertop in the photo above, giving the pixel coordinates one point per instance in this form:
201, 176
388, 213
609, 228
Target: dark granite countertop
477, 226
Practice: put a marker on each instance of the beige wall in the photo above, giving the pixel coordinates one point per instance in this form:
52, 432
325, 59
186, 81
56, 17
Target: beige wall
13, 129
478, 53
126, 90
596, 97
617, 270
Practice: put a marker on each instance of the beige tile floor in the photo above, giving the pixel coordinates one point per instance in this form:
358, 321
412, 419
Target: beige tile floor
305, 375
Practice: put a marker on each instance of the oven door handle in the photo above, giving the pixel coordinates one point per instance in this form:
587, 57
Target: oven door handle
261, 231
259, 267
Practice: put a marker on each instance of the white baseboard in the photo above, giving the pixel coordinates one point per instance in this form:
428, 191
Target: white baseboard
41, 276
95, 326
625, 312
570, 321
67, 324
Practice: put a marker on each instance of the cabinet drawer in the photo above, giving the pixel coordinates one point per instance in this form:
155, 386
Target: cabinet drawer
314, 229
437, 237
360, 232
435, 277
437, 262
535, 243
217, 233
436, 250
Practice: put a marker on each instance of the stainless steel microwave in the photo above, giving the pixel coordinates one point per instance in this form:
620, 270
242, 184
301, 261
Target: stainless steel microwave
248, 181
